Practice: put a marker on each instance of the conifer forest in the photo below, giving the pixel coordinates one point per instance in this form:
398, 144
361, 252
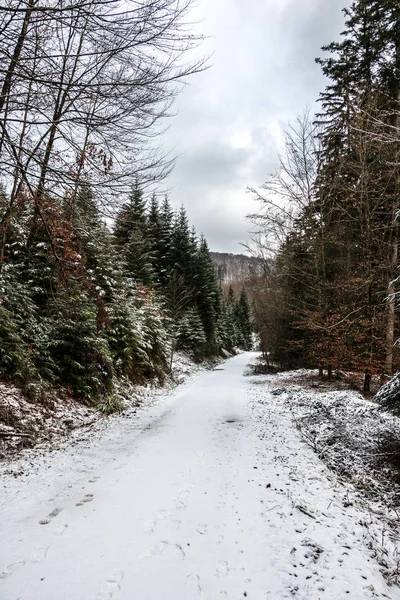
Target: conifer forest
100, 280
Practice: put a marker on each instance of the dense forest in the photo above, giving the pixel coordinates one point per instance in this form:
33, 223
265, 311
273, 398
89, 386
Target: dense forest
328, 220
100, 280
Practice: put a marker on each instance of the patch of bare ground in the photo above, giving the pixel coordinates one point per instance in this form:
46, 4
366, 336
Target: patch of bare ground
341, 381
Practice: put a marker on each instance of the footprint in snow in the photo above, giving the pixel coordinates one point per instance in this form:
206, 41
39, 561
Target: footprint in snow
222, 569
11, 568
193, 584
111, 585
87, 498
313, 550
182, 495
39, 555
61, 529
121, 466
202, 528
166, 549
149, 527
50, 516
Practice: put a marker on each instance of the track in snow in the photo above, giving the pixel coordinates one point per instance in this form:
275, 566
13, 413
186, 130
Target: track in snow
212, 495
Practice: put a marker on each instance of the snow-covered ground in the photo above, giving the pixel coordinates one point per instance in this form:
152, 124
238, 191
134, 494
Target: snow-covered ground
210, 493
353, 436
25, 424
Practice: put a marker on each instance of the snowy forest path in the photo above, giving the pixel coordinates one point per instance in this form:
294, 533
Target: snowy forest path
214, 496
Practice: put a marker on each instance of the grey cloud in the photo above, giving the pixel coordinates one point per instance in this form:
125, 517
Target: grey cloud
213, 166
229, 119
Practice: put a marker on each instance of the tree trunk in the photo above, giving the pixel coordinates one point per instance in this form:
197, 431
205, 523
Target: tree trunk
367, 382
390, 325
391, 317
7, 82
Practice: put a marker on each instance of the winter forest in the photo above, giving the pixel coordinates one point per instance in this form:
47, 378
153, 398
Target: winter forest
199, 326
328, 224
100, 280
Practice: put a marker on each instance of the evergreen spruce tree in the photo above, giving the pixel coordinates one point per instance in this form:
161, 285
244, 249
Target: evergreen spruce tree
227, 328
138, 335
156, 329
244, 320
132, 216
18, 330
39, 265
207, 291
357, 185
183, 250
165, 264
191, 336
133, 235
96, 243
155, 235
139, 258
73, 348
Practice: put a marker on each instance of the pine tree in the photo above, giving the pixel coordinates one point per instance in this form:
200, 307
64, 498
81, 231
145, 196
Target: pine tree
351, 69
357, 184
76, 309
138, 334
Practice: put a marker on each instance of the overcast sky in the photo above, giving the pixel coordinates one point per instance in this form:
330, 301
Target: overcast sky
229, 121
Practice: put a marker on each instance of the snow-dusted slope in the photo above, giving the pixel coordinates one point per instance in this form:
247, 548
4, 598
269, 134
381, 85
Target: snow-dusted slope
209, 495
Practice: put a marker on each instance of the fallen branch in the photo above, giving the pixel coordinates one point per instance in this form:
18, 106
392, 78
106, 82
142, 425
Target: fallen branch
11, 434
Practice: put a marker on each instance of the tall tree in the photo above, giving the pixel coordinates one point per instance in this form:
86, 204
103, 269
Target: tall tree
206, 285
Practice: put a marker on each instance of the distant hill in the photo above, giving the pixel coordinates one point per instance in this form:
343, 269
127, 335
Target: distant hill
236, 268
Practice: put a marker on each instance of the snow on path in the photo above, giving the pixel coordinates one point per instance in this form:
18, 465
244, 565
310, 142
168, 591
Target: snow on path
212, 495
